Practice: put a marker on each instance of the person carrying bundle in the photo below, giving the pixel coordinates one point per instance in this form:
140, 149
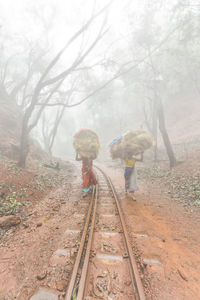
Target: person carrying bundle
89, 178
130, 174
125, 148
86, 144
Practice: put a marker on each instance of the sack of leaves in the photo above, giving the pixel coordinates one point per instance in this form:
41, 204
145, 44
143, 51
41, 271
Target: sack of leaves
131, 143
86, 143
135, 142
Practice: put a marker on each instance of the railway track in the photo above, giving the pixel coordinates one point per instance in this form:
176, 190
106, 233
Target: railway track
105, 267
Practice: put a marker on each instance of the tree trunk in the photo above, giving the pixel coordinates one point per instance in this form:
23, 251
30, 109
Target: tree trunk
165, 136
24, 147
155, 128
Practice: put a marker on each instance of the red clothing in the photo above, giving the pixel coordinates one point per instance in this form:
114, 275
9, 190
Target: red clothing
88, 175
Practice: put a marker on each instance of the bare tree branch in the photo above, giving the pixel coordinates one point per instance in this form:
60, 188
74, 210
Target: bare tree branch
30, 127
71, 40
76, 63
120, 73
58, 80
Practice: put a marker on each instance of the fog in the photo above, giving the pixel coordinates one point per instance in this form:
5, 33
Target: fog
134, 65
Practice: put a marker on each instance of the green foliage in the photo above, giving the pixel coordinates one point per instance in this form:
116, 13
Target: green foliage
185, 187
74, 296
9, 205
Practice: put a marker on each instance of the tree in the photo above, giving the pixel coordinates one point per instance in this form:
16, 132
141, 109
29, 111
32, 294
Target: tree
47, 86
165, 136
150, 79
49, 131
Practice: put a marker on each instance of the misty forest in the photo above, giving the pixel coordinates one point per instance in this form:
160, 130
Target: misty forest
100, 150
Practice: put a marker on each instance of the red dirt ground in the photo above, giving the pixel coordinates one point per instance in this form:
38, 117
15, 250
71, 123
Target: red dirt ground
49, 202
165, 231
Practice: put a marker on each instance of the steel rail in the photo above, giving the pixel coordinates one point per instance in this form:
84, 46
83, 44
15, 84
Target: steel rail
136, 281
71, 286
133, 266
82, 284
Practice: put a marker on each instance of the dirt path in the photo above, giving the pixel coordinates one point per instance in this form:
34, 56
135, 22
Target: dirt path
26, 250
164, 233
167, 236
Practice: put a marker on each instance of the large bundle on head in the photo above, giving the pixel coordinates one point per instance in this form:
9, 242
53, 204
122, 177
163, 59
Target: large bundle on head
116, 148
132, 143
86, 143
135, 142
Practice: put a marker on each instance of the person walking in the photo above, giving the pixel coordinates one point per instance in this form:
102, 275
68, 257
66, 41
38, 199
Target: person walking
130, 174
88, 176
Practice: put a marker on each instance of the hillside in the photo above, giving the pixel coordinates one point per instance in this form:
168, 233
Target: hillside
10, 128
183, 118
10, 121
